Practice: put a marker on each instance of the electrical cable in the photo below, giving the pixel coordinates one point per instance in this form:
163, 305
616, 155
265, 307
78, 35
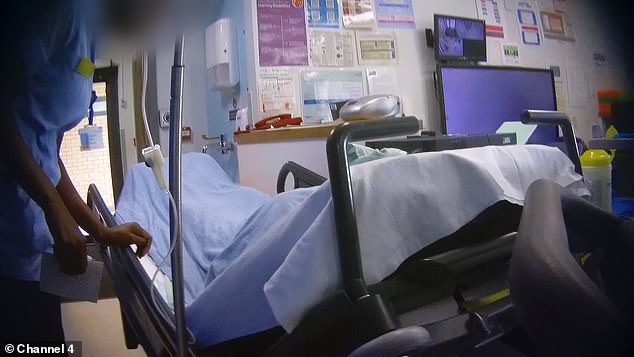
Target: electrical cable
159, 307
172, 205
146, 125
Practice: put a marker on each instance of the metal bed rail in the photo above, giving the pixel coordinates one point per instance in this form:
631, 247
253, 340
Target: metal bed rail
379, 316
342, 195
354, 284
142, 323
302, 177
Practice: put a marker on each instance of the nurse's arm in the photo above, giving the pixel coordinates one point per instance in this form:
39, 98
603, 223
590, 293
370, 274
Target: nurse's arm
120, 236
17, 162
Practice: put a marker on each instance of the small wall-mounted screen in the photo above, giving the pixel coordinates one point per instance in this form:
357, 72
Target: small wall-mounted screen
460, 39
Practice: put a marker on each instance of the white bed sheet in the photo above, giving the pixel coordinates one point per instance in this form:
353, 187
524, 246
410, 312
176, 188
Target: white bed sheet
403, 205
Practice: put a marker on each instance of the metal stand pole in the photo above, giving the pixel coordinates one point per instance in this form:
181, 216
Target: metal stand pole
176, 110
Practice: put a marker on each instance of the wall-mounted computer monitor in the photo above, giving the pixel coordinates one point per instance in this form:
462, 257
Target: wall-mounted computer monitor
479, 99
459, 39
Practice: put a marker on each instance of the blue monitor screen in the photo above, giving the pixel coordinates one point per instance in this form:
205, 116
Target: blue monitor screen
477, 100
460, 39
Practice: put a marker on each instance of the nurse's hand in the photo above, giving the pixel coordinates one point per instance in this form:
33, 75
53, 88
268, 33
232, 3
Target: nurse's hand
125, 235
70, 244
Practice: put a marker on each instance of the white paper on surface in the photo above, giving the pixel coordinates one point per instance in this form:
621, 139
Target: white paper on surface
331, 48
377, 48
522, 131
84, 287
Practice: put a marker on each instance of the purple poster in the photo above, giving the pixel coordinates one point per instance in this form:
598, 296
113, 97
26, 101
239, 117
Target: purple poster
282, 32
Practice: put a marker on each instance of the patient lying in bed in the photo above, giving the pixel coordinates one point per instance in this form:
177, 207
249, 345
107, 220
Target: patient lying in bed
253, 262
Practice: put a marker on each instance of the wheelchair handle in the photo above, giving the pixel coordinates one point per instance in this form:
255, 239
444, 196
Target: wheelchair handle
561, 120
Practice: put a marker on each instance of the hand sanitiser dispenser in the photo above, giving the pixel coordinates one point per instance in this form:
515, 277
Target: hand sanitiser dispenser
222, 55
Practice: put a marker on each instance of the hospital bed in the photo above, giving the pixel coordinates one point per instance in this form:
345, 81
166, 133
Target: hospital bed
452, 295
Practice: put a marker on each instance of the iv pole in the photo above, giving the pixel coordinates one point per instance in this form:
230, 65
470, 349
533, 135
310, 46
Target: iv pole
176, 110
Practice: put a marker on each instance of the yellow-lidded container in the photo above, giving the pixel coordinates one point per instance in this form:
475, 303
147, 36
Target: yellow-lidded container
597, 172
611, 133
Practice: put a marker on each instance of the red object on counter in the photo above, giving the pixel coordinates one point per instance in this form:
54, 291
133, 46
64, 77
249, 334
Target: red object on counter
278, 121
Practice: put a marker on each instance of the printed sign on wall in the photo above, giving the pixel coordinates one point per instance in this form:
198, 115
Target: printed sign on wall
395, 14
493, 14
323, 13
282, 33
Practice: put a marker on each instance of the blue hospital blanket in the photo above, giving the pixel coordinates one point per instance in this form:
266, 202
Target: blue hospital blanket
214, 210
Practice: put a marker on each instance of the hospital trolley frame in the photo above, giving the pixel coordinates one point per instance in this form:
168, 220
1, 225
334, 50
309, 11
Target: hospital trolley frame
366, 303
142, 323
159, 336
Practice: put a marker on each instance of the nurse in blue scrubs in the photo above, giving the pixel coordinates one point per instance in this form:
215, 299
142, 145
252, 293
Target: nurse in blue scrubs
46, 68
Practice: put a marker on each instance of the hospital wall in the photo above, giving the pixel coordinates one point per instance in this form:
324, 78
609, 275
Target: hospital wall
206, 112
194, 96
417, 63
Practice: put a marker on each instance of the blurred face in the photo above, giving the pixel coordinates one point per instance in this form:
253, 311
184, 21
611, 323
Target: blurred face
130, 17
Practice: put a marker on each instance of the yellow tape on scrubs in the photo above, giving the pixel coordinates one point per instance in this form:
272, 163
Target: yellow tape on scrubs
86, 68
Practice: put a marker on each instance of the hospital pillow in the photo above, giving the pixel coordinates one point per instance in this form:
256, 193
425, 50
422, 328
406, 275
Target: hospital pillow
358, 154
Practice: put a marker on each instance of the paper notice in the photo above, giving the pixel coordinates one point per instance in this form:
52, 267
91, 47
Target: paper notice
557, 26
382, 80
277, 91
323, 13
358, 14
320, 89
395, 14
330, 48
282, 33
492, 13
527, 18
561, 84
377, 48
577, 87
511, 54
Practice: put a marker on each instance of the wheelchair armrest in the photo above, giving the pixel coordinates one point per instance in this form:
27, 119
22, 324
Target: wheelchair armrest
399, 342
556, 300
302, 177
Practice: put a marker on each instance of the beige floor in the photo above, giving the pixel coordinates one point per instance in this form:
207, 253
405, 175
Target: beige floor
98, 327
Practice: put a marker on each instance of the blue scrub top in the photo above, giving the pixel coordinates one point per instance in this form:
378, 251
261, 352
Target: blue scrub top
55, 100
